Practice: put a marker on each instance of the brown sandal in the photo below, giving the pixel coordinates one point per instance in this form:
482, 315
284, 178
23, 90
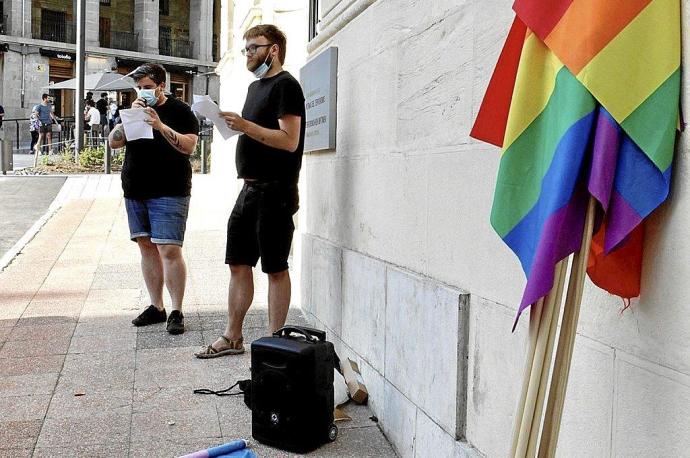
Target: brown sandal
236, 347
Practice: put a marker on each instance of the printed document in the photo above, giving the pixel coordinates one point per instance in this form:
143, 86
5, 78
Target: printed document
134, 122
205, 106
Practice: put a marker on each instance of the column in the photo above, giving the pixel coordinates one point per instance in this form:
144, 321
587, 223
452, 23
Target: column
201, 28
15, 17
93, 14
146, 25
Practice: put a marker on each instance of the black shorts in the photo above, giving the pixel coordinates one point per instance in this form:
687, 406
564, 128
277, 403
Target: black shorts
261, 226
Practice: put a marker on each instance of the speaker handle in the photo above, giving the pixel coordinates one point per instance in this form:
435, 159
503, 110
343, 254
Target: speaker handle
309, 333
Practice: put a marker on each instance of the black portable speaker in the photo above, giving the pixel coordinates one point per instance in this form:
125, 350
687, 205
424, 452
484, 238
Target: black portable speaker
292, 389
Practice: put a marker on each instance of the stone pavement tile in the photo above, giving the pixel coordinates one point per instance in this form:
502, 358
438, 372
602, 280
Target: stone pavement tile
156, 448
24, 408
28, 385
113, 296
94, 325
4, 333
61, 293
89, 451
170, 399
104, 342
85, 402
101, 371
178, 427
10, 312
361, 416
15, 452
31, 365
102, 429
123, 267
235, 417
25, 348
19, 434
46, 320
117, 280
42, 332
148, 340
177, 367
68, 309
6, 324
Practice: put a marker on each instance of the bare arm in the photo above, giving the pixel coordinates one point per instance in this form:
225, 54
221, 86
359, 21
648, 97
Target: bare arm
286, 137
184, 143
117, 137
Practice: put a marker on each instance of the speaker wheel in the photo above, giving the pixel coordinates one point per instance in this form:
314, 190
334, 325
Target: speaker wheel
333, 433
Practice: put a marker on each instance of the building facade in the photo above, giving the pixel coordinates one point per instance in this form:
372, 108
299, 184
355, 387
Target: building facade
402, 269
38, 39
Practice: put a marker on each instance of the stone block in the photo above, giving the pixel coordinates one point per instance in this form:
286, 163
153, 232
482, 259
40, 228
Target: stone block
364, 307
587, 413
326, 284
652, 405
422, 344
306, 267
432, 440
495, 369
398, 421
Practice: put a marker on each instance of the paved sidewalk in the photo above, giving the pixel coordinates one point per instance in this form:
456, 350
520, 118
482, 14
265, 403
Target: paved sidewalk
77, 379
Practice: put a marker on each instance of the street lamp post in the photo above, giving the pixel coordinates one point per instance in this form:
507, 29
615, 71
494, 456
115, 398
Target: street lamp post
79, 93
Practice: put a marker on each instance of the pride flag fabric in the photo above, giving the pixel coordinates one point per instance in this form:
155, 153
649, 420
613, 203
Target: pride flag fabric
584, 101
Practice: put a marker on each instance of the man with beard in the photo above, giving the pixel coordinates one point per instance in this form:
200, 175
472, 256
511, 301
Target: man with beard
268, 159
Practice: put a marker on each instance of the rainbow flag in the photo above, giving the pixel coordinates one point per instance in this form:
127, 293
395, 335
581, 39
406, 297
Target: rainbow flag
584, 101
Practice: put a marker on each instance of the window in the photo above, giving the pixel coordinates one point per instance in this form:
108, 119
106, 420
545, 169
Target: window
105, 2
313, 18
164, 7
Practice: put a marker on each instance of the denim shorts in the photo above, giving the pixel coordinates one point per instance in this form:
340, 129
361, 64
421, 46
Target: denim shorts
164, 219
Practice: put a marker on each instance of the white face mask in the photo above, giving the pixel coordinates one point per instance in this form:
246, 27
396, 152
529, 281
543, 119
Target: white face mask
262, 69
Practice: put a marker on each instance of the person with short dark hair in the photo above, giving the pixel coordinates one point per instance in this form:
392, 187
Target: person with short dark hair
93, 117
157, 183
268, 159
102, 107
46, 117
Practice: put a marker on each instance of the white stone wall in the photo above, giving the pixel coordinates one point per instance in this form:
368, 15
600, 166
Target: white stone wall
407, 191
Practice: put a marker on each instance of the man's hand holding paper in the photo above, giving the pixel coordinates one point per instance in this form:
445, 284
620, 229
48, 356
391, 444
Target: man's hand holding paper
208, 108
136, 124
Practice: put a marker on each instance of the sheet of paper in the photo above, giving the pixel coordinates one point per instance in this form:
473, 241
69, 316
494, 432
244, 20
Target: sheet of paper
134, 122
205, 106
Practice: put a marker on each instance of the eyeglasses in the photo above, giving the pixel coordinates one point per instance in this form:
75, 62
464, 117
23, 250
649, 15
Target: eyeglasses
252, 49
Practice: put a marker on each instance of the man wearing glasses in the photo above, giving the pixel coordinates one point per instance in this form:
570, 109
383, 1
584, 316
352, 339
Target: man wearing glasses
268, 159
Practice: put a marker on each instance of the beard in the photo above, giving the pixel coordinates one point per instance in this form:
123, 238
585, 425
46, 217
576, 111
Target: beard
256, 61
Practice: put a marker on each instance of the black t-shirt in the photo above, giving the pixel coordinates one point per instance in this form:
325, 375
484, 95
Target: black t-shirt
102, 106
269, 99
153, 168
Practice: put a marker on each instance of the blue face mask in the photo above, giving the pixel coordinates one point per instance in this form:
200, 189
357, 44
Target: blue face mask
149, 96
262, 69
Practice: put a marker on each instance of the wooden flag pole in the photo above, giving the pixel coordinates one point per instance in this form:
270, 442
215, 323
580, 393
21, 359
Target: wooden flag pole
566, 340
561, 269
535, 313
538, 360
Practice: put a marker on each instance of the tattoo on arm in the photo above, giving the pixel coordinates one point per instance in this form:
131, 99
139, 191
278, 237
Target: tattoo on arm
174, 140
117, 135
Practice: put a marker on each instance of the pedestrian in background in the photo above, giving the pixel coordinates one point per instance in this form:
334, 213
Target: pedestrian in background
93, 117
34, 127
46, 117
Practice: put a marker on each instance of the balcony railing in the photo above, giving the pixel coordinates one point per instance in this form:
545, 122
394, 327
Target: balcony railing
175, 47
128, 41
61, 31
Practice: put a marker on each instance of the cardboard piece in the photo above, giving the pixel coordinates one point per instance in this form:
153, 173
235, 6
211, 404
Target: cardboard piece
355, 386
